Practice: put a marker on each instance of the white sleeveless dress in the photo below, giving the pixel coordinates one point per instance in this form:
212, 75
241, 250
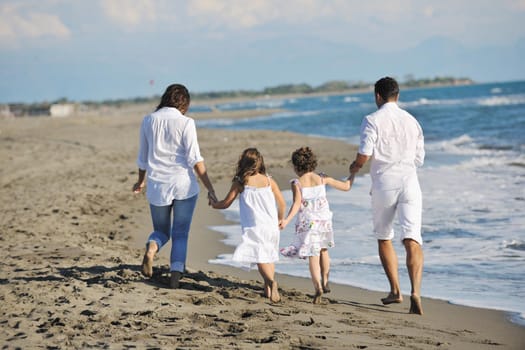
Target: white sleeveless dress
313, 226
260, 227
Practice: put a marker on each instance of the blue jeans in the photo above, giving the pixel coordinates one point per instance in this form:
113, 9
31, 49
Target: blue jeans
163, 229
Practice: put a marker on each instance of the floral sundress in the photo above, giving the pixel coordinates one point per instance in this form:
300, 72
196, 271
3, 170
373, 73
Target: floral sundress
313, 226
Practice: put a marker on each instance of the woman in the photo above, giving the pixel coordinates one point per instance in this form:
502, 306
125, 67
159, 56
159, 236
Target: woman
169, 155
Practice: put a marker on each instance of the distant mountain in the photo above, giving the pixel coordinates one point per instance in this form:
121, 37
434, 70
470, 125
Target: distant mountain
314, 61
445, 56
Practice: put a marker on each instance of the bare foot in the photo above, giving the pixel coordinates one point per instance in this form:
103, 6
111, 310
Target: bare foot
147, 264
274, 296
326, 288
392, 299
326, 285
415, 305
317, 297
267, 290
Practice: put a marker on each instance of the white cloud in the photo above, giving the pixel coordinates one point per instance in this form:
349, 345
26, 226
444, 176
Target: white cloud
130, 14
240, 14
372, 23
19, 23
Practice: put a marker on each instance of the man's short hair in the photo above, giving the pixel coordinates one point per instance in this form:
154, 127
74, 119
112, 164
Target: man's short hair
387, 88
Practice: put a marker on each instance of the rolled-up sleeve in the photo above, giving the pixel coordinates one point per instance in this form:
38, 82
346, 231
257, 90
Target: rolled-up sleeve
368, 137
193, 153
142, 158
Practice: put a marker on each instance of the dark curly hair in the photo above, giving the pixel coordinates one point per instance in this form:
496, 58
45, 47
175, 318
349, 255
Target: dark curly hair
177, 96
251, 162
304, 160
386, 88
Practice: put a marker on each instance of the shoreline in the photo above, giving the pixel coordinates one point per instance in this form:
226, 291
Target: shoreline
513, 317
74, 232
222, 248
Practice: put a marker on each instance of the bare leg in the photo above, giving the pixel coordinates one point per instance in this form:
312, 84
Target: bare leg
315, 273
325, 269
147, 261
389, 261
414, 263
271, 290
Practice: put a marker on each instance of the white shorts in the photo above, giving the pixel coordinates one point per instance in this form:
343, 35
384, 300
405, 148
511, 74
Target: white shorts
407, 202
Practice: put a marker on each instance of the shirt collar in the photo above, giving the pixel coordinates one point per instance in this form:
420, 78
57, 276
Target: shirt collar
389, 105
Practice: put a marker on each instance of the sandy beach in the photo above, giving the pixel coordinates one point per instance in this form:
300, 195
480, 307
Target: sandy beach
73, 234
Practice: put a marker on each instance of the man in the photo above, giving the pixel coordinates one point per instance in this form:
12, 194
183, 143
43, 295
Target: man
393, 140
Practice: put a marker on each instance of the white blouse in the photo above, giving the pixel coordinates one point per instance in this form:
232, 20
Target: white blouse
168, 151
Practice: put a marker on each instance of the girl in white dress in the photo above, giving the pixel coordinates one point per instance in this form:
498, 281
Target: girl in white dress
313, 227
259, 215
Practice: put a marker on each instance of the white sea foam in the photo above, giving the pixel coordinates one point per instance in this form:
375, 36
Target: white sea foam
467, 146
517, 99
228, 121
423, 101
350, 99
511, 99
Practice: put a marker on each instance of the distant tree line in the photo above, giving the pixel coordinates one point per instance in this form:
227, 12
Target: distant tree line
41, 108
410, 81
328, 87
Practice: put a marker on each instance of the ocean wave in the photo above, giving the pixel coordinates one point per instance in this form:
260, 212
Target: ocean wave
462, 145
507, 100
349, 99
489, 101
517, 164
423, 101
464, 139
254, 104
362, 260
224, 122
469, 146
515, 245
490, 161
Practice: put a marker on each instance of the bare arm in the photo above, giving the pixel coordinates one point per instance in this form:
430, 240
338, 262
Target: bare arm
200, 170
340, 185
358, 163
281, 204
296, 205
230, 197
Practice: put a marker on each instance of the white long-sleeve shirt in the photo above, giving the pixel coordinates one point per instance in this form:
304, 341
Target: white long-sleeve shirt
394, 140
168, 151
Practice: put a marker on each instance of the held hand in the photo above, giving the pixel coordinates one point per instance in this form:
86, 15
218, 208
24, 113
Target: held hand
212, 198
137, 188
354, 167
282, 224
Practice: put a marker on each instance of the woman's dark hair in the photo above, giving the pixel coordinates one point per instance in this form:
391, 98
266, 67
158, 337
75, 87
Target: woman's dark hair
250, 163
304, 160
386, 88
177, 96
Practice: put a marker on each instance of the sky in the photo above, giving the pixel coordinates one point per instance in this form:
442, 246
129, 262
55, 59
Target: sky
93, 50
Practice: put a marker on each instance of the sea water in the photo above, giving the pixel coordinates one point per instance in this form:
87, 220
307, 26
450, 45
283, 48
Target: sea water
473, 185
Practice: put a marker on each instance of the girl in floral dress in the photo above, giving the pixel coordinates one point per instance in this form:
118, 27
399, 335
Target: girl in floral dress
313, 227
